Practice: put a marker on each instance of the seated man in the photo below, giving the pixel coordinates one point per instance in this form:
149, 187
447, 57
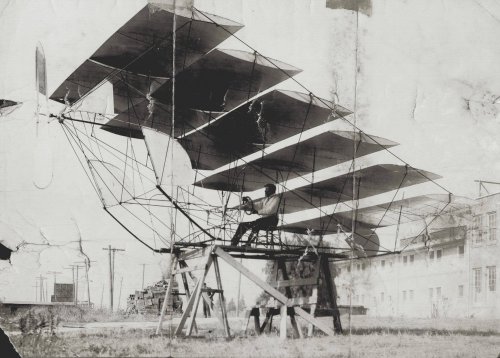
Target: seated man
266, 207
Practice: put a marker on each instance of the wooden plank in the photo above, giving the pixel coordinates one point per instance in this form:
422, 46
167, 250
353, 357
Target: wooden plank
314, 297
283, 322
300, 312
256, 323
294, 282
185, 315
189, 269
167, 297
301, 301
332, 294
186, 289
296, 325
197, 296
250, 275
272, 291
193, 254
222, 299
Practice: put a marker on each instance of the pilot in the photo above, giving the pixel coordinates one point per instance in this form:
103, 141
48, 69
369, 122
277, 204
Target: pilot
266, 207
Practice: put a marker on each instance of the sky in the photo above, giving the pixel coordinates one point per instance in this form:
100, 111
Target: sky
418, 72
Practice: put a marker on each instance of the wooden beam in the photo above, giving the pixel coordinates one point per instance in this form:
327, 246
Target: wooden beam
197, 296
262, 284
187, 310
283, 310
167, 296
186, 290
332, 294
295, 282
194, 254
222, 300
300, 312
189, 269
272, 291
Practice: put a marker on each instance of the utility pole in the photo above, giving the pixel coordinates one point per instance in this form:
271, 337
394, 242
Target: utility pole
55, 273
143, 269
72, 267
111, 257
87, 266
41, 278
36, 290
120, 295
102, 294
75, 281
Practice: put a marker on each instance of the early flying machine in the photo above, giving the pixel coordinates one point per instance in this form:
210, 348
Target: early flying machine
194, 127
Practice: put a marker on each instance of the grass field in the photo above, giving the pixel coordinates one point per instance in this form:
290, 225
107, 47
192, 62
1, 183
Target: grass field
371, 337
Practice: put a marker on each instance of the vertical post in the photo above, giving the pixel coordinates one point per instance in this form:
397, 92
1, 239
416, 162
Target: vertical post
88, 283
36, 290
113, 273
197, 295
143, 269
167, 294
239, 289
314, 298
332, 294
41, 288
288, 290
110, 279
77, 278
283, 310
102, 294
187, 292
73, 277
222, 300
120, 295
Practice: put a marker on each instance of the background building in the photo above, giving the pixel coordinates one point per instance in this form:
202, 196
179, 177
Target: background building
450, 271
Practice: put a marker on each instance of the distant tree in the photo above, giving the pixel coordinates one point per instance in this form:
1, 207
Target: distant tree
242, 304
231, 306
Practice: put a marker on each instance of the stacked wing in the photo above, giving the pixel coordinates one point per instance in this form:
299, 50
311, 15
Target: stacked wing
232, 123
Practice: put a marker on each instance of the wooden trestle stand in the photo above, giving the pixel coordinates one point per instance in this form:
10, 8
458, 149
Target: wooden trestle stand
286, 304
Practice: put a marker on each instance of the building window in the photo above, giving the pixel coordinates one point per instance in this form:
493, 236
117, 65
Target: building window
439, 253
363, 299
381, 297
412, 258
404, 295
349, 268
363, 266
405, 260
431, 255
431, 293
461, 250
382, 263
358, 267
411, 295
460, 290
478, 229
492, 226
477, 282
438, 292
492, 278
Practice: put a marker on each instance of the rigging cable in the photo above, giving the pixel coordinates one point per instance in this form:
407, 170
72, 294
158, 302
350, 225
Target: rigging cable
320, 99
